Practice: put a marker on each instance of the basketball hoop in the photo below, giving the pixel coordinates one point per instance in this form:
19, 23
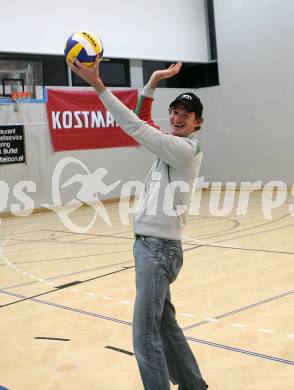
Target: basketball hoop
20, 97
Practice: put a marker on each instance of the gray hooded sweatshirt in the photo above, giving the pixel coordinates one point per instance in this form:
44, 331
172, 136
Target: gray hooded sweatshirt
165, 199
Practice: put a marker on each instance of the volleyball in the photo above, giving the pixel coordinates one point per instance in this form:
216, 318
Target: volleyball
84, 46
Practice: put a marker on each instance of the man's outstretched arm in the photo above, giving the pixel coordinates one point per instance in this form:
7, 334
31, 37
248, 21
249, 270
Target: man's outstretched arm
175, 151
144, 105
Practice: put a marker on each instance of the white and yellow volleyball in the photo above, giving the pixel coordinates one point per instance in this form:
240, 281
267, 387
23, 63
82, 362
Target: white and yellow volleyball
84, 46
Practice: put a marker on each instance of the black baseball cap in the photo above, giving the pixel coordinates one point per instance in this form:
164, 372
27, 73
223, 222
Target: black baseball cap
190, 101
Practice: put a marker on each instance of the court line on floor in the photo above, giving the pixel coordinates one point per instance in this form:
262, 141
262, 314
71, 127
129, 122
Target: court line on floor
201, 242
213, 235
70, 258
221, 245
84, 312
2, 254
11, 265
243, 351
221, 316
112, 319
69, 274
218, 245
20, 241
256, 233
66, 285
94, 235
225, 231
224, 246
31, 231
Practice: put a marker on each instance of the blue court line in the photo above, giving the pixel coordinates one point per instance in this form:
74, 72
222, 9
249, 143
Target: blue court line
68, 308
244, 351
239, 310
212, 344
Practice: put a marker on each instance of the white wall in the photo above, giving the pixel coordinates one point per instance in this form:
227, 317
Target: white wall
249, 132
160, 30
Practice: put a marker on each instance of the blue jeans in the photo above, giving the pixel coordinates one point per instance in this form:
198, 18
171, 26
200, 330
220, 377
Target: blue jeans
160, 347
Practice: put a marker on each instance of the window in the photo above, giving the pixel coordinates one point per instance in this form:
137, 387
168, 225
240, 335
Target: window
114, 73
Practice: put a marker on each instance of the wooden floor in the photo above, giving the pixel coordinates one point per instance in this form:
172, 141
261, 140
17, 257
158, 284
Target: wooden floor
66, 297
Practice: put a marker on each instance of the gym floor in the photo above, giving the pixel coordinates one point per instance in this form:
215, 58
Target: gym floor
67, 299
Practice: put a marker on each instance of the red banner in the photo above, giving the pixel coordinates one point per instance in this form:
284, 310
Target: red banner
79, 120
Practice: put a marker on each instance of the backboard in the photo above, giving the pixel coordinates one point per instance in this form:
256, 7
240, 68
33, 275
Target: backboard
21, 76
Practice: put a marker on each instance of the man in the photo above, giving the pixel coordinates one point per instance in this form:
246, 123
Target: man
160, 347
